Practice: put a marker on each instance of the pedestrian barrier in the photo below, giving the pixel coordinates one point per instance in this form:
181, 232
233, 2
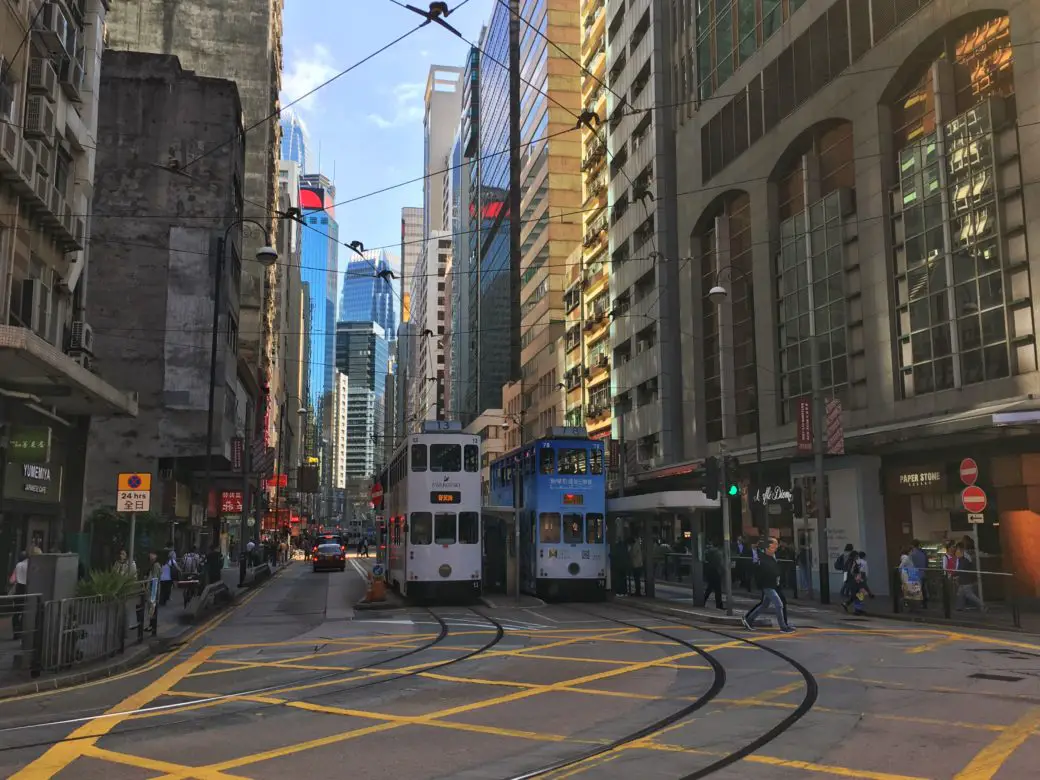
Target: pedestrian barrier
992, 596
212, 594
676, 567
21, 620
83, 629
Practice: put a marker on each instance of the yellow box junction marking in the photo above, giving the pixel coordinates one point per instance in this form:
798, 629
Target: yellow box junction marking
990, 759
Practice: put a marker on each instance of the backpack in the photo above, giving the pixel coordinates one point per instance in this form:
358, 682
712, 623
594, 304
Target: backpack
839, 563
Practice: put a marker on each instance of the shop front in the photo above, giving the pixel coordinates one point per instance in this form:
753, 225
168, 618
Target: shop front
31, 507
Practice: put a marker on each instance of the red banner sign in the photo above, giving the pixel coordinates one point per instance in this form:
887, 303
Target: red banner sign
804, 435
231, 502
278, 480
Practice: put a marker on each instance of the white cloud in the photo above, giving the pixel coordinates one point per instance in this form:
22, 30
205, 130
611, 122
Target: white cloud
406, 101
304, 73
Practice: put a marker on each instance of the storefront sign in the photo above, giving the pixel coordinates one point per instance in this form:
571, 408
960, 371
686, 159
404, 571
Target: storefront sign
32, 482
924, 480
231, 502
773, 494
29, 445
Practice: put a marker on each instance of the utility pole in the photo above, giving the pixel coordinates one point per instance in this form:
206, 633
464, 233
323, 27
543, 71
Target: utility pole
514, 193
247, 467
821, 476
727, 572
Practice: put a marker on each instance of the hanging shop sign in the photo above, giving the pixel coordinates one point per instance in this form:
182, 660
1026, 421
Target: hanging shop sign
32, 482
29, 444
773, 494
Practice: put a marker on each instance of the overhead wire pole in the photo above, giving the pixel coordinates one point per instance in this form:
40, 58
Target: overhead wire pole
514, 191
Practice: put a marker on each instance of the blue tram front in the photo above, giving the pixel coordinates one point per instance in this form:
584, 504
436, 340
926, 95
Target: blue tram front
559, 482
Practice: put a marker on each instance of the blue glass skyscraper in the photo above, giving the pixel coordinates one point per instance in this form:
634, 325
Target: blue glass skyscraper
369, 298
294, 140
319, 270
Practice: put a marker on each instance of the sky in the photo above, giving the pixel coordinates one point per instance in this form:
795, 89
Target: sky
366, 127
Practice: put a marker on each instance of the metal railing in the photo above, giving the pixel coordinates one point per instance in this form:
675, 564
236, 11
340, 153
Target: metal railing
84, 629
20, 623
991, 595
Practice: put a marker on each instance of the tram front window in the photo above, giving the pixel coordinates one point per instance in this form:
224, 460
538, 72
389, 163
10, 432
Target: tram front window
444, 527
469, 527
421, 528
549, 528
472, 457
545, 461
573, 462
446, 458
593, 528
572, 528
418, 457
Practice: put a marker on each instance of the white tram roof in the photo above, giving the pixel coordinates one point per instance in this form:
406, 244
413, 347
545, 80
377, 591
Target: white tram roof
441, 426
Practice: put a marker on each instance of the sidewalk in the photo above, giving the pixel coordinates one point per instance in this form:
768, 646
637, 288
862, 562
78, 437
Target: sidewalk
173, 624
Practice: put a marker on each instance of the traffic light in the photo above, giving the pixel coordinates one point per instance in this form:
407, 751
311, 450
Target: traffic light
732, 470
711, 478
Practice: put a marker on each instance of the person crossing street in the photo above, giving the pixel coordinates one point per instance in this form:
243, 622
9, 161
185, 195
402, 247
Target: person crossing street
768, 576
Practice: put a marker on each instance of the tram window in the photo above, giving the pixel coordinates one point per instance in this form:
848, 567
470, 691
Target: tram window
421, 527
593, 528
444, 527
545, 460
469, 527
418, 457
549, 525
572, 528
596, 456
446, 457
471, 456
573, 461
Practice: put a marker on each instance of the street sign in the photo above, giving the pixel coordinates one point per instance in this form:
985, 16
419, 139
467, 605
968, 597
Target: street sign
969, 471
976, 519
377, 570
973, 498
133, 500
377, 493
134, 481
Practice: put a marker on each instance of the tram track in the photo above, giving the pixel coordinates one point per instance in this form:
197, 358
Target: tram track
716, 687
443, 634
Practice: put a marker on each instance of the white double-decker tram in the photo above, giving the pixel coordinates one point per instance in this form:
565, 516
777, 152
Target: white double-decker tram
431, 502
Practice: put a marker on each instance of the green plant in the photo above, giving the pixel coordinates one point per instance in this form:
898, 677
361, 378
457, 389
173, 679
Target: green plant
106, 582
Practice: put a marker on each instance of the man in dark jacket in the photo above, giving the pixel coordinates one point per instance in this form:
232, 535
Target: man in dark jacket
713, 566
768, 576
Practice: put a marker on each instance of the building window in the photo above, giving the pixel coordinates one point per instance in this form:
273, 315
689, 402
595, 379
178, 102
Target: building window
232, 332
960, 241
8, 91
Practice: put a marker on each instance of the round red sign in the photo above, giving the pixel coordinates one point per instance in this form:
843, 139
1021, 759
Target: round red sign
974, 499
377, 492
969, 471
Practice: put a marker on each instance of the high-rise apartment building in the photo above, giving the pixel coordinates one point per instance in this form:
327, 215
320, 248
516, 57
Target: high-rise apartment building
428, 329
443, 102
411, 247
339, 432
587, 301
48, 143
638, 165
362, 354
551, 202
248, 51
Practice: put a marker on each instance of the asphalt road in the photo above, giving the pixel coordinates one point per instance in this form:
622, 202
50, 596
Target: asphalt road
293, 681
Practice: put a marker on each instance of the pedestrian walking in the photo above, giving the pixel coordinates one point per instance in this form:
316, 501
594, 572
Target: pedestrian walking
154, 576
768, 576
189, 583
635, 554
19, 581
713, 567
124, 565
169, 574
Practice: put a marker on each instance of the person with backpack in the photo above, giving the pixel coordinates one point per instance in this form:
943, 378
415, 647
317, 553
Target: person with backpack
841, 564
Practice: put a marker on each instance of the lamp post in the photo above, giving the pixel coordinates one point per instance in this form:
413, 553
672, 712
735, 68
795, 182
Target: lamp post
718, 295
266, 256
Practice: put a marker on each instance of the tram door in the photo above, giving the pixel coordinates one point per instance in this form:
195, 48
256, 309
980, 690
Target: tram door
495, 553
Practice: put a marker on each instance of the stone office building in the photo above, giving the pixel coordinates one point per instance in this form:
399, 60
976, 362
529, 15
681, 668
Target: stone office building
862, 179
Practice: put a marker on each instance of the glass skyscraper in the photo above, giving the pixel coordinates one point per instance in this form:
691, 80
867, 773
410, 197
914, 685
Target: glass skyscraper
294, 139
367, 297
319, 271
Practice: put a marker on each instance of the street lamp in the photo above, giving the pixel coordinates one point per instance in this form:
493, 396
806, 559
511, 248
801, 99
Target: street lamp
718, 295
266, 256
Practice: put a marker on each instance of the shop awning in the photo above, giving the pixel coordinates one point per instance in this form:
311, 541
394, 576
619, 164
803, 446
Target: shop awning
662, 501
36, 368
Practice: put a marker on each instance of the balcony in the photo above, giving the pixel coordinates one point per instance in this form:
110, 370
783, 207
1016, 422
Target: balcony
596, 232
597, 152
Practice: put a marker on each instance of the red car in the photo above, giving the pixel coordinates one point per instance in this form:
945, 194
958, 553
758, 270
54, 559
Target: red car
328, 557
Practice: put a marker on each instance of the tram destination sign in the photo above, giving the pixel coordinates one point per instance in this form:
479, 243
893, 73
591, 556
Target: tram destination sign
445, 497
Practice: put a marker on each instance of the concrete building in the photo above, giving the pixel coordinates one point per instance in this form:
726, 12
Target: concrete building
240, 41
443, 103
490, 426
426, 333
638, 165
161, 286
551, 203
292, 305
340, 415
412, 222
362, 354
411, 249
48, 142
868, 191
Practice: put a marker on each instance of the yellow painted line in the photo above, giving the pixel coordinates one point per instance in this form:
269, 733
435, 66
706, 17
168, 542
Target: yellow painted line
238, 666
156, 766
990, 759
65, 752
930, 646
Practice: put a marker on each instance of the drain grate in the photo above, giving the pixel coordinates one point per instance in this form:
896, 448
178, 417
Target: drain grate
997, 677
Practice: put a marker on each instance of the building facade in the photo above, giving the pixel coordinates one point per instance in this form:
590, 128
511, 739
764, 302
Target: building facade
371, 291
294, 139
48, 143
869, 194
340, 417
362, 355
427, 329
168, 276
551, 204
249, 52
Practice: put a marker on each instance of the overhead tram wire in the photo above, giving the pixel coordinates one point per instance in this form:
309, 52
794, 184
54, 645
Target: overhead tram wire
21, 44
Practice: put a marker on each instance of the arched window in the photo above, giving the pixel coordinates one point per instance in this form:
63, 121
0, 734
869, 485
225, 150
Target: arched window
815, 196
959, 242
725, 243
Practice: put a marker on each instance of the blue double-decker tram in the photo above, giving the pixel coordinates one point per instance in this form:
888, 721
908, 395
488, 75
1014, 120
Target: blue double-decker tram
559, 483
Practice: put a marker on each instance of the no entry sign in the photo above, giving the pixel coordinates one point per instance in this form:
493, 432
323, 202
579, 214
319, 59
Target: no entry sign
969, 471
974, 499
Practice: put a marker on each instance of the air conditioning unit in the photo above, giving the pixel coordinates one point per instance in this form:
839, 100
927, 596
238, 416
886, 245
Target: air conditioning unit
42, 78
26, 181
71, 78
9, 148
55, 208
44, 159
82, 337
84, 360
52, 28
77, 229
39, 119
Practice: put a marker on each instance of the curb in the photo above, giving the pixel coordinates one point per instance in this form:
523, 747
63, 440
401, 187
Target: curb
135, 656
